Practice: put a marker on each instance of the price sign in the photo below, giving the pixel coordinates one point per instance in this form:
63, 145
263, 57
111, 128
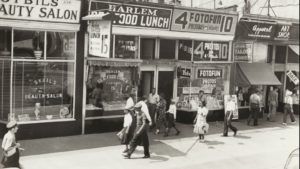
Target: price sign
99, 38
216, 51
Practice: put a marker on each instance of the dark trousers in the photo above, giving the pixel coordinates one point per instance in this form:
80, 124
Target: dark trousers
227, 124
137, 139
201, 136
288, 111
12, 161
254, 110
152, 110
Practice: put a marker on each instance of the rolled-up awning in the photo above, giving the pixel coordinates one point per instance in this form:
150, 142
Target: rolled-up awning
295, 48
255, 74
169, 34
114, 62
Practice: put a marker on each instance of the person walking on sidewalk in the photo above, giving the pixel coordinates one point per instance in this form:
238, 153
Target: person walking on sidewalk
254, 108
288, 107
201, 126
161, 113
273, 104
153, 99
140, 134
11, 147
230, 107
170, 119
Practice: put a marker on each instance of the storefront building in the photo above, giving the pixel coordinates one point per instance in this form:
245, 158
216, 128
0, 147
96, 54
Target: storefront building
38, 56
179, 51
264, 47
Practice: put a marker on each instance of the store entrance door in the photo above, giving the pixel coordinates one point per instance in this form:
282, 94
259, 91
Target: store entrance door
146, 83
165, 85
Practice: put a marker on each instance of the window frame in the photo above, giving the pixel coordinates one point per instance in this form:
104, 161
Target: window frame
13, 60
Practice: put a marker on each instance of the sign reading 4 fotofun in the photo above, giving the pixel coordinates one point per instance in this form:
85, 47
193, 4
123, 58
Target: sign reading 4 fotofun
203, 22
67, 11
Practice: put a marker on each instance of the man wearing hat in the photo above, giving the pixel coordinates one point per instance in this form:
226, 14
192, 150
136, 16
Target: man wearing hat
10, 147
140, 134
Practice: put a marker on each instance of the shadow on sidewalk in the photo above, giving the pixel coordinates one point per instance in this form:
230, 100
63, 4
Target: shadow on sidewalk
89, 141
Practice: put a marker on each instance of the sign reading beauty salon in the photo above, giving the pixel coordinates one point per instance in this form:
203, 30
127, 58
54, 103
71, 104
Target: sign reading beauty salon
203, 22
66, 11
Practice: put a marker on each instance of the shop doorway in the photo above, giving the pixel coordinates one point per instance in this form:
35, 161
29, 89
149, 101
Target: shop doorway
165, 85
146, 83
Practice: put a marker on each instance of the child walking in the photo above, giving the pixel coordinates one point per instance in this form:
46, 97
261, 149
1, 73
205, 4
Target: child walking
201, 126
170, 119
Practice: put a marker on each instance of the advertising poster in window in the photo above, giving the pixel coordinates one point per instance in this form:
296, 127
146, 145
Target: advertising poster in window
203, 22
185, 50
243, 51
231, 104
126, 47
117, 85
210, 51
136, 15
99, 38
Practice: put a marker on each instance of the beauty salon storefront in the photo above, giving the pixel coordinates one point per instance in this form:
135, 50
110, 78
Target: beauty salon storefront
156, 41
37, 66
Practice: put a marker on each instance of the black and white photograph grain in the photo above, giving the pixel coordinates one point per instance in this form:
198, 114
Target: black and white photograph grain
149, 84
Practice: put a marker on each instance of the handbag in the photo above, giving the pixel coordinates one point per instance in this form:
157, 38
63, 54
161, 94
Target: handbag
121, 133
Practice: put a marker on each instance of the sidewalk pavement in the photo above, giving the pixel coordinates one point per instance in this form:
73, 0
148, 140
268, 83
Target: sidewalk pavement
89, 141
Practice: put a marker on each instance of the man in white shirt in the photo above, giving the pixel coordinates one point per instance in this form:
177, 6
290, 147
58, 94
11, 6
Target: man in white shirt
153, 99
145, 109
288, 107
254, 107
230, 108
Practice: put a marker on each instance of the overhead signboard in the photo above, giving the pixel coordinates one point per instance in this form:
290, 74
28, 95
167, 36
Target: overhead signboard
257, 30
243, 51
99, 38
282, 32
65, 11
203, 22
209, 73
136, 15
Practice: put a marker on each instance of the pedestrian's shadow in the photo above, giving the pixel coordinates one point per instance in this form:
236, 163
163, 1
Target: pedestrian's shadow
213, 142
155, 159
242, 137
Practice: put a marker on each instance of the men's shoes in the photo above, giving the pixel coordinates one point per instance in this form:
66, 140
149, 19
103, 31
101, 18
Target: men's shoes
224, 135
177, 133
146, 156
284, 124
127, 155
234, 134
125, 151
294, 122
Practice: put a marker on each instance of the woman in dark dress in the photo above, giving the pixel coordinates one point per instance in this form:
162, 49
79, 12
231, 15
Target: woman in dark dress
161, 113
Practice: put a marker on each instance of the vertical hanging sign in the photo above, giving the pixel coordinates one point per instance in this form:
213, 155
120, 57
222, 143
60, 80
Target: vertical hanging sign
99, 38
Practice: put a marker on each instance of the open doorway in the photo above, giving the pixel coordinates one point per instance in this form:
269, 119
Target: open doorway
165, 84
146, 83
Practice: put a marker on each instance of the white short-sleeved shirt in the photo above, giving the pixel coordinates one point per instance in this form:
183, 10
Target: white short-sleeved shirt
153, 98
146, 110
9, 140
127, 120
172, 110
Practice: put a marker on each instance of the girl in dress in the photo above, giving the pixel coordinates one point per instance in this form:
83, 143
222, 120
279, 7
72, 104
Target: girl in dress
201, 126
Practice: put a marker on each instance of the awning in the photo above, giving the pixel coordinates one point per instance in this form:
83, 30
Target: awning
169, 34
54, 26
255, 74
97, 16
114, 62
295, 48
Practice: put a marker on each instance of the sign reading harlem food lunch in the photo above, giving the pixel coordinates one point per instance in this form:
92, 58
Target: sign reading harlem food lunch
66, 11
136, 15
203, 22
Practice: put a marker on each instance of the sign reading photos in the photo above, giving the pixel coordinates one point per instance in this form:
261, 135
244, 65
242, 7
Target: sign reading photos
210, 51
136, 15
203, 22
243, 51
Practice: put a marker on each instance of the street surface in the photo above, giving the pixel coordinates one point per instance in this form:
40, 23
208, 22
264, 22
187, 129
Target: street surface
264, 147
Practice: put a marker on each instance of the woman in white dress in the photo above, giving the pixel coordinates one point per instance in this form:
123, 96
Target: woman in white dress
201, 126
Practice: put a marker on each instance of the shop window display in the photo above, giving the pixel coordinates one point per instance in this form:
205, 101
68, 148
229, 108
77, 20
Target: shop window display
185, 50
42, 88
116, 83
126, 47
210, 51
42, 91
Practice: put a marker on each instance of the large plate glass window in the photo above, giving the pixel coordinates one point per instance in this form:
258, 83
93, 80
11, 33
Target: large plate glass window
5, 43
185, 50
167, 49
